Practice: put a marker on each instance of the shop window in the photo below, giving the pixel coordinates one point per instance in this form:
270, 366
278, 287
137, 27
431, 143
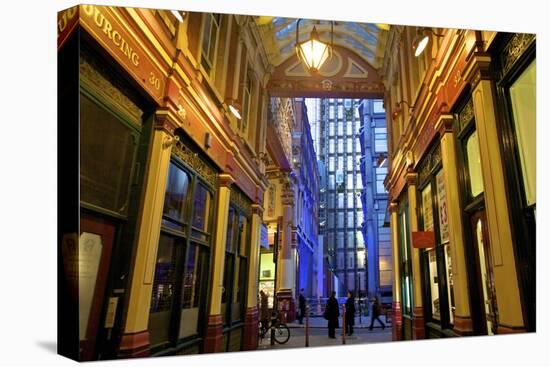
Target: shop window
209, 40
182, 263
235, 268
523, 98
107, 150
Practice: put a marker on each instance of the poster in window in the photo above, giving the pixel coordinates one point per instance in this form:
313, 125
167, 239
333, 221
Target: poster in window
427, 211
442, 206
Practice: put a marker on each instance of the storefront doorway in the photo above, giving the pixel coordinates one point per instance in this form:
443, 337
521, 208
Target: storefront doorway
484, 271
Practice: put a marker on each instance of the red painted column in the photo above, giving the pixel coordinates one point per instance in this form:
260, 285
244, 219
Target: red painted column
418, 323
214, 334
250, 341
134, 345
397, 321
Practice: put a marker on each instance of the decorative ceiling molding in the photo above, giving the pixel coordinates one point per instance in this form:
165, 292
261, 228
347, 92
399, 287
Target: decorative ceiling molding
353, 78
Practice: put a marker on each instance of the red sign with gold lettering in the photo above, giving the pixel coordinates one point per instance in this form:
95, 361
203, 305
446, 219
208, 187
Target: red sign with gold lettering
107, 27
423, 239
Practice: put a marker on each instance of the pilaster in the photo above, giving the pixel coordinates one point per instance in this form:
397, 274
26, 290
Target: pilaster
251, 318
462, 317
418, 311
214, 331
496, 206
397, 320
135, 340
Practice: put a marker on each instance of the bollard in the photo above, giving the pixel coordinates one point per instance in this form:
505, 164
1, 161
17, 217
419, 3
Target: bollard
307, 326
343, 324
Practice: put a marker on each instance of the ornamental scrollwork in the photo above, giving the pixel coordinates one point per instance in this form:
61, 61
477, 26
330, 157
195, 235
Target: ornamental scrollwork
195, 161
514, 49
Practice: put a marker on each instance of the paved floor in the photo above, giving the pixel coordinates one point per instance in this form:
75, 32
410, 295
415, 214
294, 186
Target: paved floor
318, 336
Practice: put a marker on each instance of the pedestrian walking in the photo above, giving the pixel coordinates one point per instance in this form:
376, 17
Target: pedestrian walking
376, 310
332, 312
301, 306
264, 309
350, 313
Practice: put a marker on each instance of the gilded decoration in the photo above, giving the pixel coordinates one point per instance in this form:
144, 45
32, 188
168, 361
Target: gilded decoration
515, 48
431, 160
282, 117
98, 78
466, 114
241, 201
194, 161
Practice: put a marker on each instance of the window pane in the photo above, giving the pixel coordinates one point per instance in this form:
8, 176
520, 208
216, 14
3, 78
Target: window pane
177, 187
524, 107
474, 165
201, 208
434, 287
163, 285
188, 295
229, 235
106, 155
450, 282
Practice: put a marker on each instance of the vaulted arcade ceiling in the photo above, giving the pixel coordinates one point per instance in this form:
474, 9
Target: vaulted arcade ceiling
352, 71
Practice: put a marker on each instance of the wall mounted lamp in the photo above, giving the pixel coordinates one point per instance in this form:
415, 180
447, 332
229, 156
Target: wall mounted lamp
179, 15
422, 39
313, 52
397, 109
234, 107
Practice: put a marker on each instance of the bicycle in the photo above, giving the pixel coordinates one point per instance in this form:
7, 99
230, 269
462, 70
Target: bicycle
280, 332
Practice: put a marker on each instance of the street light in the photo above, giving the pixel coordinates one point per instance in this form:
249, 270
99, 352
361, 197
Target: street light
313, 52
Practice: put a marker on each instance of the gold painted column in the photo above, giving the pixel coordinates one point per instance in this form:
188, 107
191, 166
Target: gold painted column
510, 317
214, 329
286, 260
135, 340
418, 309
397, 320
462, 317
251, 318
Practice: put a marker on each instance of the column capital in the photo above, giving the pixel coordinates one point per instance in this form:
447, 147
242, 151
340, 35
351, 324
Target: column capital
477, 68
411, 177
225, 180
257, 209
393, 207
444, 123
165, 121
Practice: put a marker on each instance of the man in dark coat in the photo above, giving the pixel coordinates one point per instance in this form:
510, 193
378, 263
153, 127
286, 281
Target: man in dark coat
350, 313
301, 306
376, 310
332, 313
264, 309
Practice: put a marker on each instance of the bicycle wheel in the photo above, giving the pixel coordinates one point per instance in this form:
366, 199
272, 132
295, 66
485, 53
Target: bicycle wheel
282, 333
